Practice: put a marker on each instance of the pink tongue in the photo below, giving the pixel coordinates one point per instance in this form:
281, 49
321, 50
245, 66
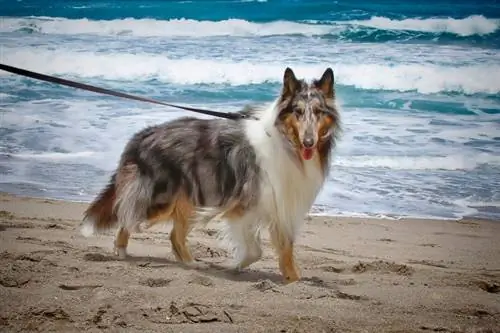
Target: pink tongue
307, 153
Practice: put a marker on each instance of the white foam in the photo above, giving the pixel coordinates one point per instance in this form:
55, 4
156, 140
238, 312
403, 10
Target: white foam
450, 162
151, 27
471, 25
5, 96
495, 204
424, 78
331, 212
55, 156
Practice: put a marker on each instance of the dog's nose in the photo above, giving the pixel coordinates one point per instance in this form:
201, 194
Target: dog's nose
308, 142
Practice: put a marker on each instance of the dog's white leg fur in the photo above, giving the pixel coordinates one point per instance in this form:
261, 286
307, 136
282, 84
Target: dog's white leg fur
243, 237
121, 252
121, 241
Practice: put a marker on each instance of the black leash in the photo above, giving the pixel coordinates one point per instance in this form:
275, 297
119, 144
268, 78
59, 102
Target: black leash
53, 79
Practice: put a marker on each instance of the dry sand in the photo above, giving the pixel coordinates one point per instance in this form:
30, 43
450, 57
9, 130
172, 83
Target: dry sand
359, 275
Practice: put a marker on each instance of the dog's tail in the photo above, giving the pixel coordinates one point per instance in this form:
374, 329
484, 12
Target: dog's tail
100, 215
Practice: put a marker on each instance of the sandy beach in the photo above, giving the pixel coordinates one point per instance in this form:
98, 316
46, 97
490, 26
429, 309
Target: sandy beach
358, 275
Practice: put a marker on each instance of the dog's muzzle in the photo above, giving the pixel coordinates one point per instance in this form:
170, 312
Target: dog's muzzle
308, 144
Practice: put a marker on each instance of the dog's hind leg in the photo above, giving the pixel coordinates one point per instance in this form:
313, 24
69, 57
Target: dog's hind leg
181, 215
284, 247
132, 202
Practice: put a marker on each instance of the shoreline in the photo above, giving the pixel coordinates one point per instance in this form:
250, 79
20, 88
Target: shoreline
310, 215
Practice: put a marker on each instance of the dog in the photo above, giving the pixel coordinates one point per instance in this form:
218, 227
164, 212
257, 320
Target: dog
264, 171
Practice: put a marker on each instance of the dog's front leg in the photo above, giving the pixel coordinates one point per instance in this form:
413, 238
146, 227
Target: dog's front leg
121, 241
283, 243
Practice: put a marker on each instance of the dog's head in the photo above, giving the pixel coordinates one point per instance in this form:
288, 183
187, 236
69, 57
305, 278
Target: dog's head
307, 116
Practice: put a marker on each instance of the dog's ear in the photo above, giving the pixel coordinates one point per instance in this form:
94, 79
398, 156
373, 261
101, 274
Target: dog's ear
325, 84
290, 83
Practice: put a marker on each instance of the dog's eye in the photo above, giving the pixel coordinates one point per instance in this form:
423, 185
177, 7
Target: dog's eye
320, 111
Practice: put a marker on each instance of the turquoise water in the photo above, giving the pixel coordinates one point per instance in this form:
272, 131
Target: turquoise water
418, 86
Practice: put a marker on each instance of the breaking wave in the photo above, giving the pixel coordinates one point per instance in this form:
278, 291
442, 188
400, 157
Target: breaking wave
472, 25
469, 26
424, 78
450, 162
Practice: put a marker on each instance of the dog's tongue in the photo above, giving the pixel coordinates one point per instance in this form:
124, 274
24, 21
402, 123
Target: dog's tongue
307, 153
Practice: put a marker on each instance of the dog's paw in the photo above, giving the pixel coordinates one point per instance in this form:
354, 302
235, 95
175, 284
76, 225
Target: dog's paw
194, 265
121, 253
230, 267
291, 279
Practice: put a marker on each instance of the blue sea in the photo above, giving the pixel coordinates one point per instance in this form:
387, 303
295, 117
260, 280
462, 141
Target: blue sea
418, 84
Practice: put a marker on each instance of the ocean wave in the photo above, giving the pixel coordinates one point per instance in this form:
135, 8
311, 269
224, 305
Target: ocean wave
450, 162
424, 78
479, 204
472, 25
161, 28
52, 156
469, 26
5, 96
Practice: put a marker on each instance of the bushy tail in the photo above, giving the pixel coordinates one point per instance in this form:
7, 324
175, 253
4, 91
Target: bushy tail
101, 215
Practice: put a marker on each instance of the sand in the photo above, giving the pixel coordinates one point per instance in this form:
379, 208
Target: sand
359, 275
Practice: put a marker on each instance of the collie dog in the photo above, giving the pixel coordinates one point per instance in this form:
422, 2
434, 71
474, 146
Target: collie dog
263, 171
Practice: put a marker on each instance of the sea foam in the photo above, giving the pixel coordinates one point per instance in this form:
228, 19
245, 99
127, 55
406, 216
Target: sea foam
471, 25
449, 162
423, 78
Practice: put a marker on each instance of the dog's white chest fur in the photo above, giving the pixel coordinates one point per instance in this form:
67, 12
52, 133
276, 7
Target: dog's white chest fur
287, 190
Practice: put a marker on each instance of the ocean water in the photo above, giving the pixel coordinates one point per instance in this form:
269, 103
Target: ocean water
418, 84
